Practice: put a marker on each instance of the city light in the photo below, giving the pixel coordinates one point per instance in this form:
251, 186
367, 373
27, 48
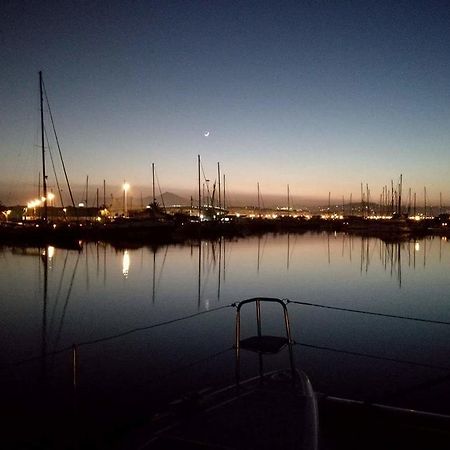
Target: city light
50, 198
125, 188
6, 213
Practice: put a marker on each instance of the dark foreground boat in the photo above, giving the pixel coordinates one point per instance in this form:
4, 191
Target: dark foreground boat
272, 410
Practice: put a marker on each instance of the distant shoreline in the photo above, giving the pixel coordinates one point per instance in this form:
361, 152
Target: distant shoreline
163, 233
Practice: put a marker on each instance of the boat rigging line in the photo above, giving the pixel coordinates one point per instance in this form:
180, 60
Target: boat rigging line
160, 192
200, 313
359, 311
54, 169
207, 184
44, 176
368, 355
57, 141
118, 335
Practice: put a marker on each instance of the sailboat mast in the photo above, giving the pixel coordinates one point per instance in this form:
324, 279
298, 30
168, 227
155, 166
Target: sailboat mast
87, 190
259, 203
425, 201
218, 178
392, 196
224, 198
153, 183
199, 189
362, 201
44, 176
288, 199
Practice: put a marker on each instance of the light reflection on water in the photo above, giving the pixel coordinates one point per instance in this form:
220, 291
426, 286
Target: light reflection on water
96, 297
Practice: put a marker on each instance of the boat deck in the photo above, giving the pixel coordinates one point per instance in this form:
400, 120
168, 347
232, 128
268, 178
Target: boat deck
239, 418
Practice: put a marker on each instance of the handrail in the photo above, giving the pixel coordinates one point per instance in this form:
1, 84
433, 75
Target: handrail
239, 305
290, 342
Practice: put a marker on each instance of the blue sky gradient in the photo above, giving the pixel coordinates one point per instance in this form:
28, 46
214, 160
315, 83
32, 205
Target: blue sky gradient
322, 95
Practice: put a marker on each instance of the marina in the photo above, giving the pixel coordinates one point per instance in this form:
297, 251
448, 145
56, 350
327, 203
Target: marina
225, 225
40, 222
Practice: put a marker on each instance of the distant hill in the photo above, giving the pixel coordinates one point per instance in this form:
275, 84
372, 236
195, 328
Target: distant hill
170, 199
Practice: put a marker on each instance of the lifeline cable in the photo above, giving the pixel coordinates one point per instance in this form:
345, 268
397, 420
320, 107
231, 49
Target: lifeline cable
124, 333
359, 311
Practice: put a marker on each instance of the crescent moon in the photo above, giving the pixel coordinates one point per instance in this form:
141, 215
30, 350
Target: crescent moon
206, 134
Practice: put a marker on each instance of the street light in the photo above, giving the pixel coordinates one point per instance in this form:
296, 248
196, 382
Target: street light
125, 188
50, 198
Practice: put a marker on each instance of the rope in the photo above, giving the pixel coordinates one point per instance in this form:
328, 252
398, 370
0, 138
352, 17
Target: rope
149, 327
114, 336
368, 355
54, 169
160, 192
235, 304
59, 147
359, 311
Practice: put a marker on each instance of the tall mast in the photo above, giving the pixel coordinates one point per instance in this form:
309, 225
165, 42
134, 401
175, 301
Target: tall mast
104, 193
259, 204
400, 195
409, 202
288, 199
199, 189
87, 190
392, 196
224, 198
367, 200
425, 201
218, 178
362, 201
44, 177
153, 183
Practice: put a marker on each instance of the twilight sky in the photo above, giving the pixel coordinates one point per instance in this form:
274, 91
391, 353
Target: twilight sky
322, 95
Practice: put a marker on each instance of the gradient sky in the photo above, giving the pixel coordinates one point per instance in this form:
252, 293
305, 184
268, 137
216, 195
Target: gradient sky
322, 95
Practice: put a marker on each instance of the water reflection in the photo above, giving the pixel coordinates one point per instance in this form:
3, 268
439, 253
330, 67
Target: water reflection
157, 322
125, 264
210, 259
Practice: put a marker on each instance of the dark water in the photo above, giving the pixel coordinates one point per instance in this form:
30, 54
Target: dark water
120, 308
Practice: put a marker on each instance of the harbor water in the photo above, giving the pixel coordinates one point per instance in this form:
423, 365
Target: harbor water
95, 339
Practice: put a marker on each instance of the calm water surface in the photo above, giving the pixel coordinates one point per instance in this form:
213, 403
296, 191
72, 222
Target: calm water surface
120, 308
